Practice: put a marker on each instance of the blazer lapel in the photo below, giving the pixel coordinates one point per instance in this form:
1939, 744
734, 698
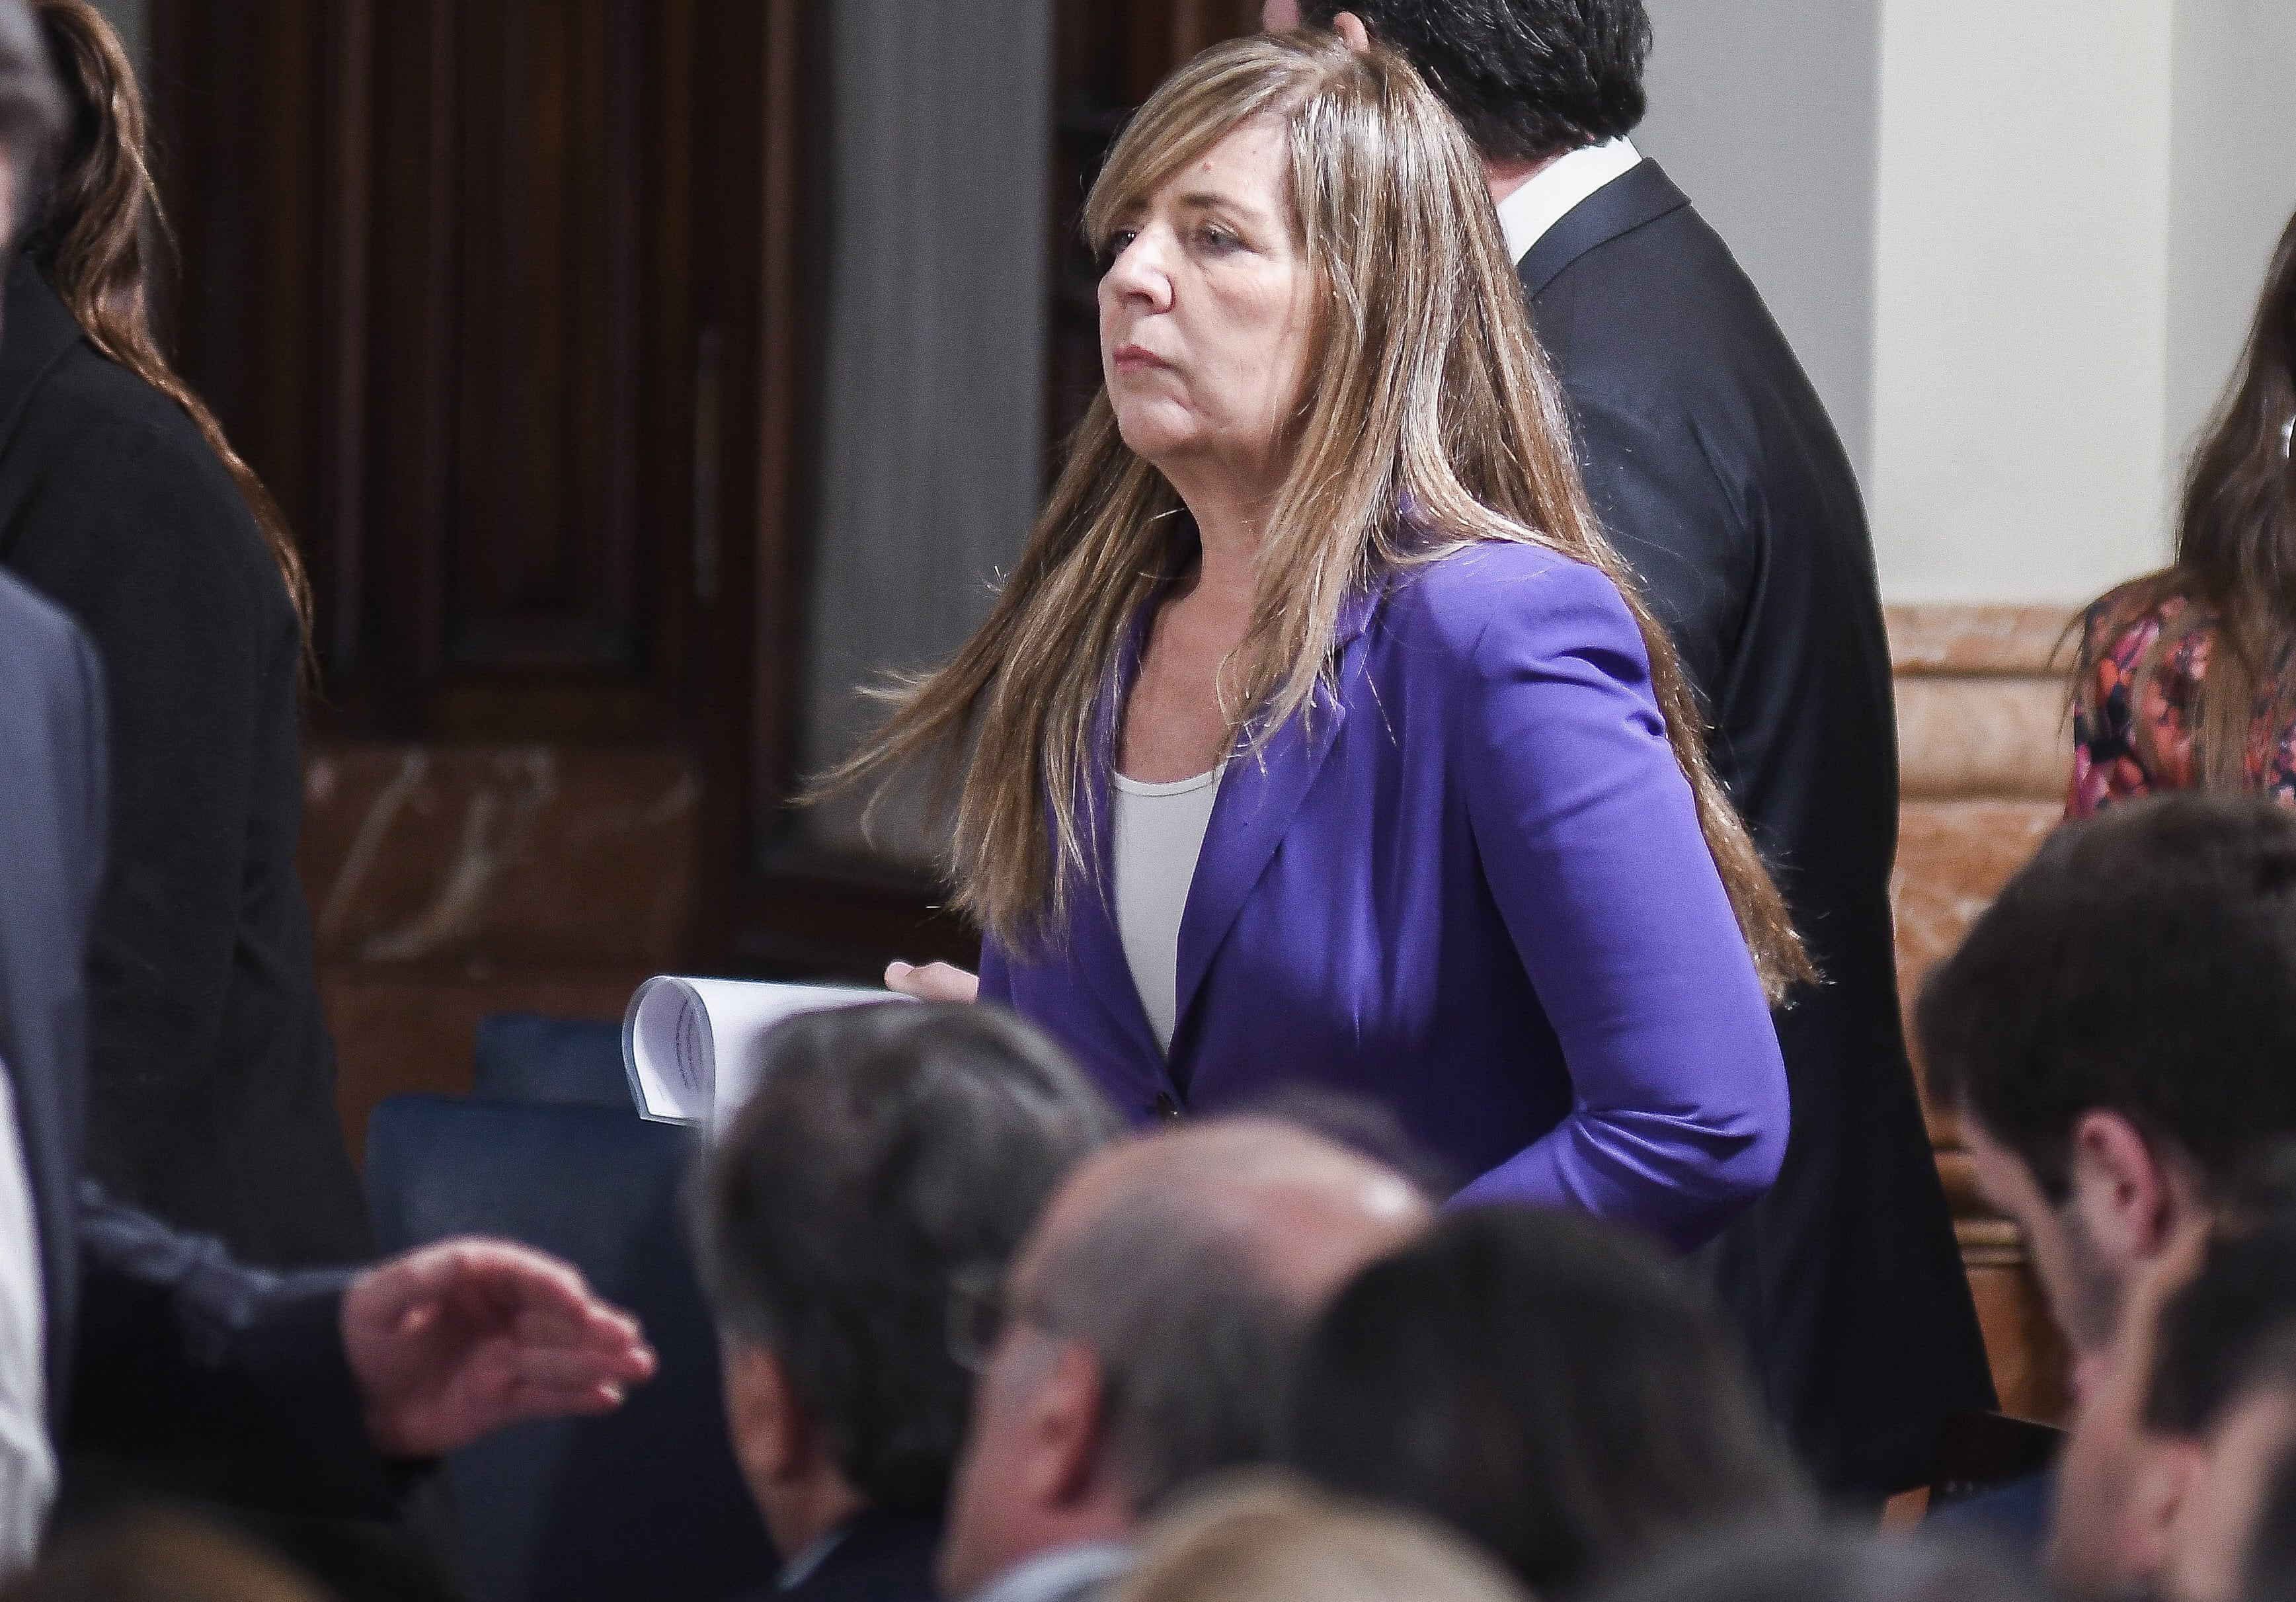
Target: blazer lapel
1096, 952
1258, 796
1096, 946
1641, 194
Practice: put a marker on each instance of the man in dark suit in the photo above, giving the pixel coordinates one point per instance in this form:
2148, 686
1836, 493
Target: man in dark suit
1717, 474
315, 1390
319, 1390
856, 1219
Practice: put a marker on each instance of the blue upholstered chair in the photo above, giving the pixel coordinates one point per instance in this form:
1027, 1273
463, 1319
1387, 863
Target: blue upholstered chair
646, 1503
534, 1057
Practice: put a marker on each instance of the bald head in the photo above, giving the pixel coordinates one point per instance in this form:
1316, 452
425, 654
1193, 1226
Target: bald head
1297, 1212
1192, 1263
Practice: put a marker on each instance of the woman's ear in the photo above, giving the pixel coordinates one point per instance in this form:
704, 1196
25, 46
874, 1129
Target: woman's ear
1350, 27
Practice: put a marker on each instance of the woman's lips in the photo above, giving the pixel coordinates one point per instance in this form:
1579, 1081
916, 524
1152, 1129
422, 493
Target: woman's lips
1136, 358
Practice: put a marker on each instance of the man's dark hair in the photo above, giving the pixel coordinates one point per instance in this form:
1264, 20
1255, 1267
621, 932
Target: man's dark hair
886, 1152
1538, 1382
1527, 79
2230, 1329
1840, 1564
2144, 963
2269, 1571
31, 115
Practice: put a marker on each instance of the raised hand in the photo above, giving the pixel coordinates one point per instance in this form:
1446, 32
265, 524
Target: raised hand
453, 1340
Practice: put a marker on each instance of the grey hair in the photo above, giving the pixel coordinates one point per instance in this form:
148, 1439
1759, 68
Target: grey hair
1194, 1339
886, 1151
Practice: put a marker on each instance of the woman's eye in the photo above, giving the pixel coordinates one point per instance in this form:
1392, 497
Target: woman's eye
1219, 239
1118, 240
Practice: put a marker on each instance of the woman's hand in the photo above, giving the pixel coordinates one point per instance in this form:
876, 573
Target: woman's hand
935, 981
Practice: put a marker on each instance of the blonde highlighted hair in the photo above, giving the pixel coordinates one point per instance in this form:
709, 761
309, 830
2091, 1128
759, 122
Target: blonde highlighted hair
1273, 1539
1427, 390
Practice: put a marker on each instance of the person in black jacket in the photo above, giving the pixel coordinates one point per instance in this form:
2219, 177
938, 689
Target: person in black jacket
319, 1390
211, 1078
1715, 472
212, 1088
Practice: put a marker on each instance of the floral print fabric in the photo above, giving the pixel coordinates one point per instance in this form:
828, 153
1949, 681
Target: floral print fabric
2111, 759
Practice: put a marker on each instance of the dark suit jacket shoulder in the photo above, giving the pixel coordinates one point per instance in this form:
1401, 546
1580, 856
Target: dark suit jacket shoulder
212, 1074
883, 1557
158, 1345
1714, 468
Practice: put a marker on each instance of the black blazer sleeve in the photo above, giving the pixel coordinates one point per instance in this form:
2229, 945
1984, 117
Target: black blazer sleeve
1658, 495
189, 630
168, 1349
225, 1379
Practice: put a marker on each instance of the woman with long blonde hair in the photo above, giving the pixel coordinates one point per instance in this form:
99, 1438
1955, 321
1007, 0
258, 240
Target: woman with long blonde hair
1318, 735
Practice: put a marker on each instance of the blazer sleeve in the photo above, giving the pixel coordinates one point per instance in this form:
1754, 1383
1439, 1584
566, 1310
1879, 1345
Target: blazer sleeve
1669, 513
224, 1378
1590, 843
996, 973
158, 559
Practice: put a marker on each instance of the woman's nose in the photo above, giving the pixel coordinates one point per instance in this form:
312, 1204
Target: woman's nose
1139, 272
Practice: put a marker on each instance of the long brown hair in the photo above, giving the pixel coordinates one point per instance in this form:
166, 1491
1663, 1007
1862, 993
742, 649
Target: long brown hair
2235, 564
1429, 391
89, 244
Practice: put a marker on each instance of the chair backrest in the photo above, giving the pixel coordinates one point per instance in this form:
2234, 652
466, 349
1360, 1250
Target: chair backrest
534, 1057
1978, 1452
646, 1503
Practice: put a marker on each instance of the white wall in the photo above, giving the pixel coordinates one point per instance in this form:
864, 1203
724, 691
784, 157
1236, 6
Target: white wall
2021, 339
2233, 164
2016, 243
1768, 117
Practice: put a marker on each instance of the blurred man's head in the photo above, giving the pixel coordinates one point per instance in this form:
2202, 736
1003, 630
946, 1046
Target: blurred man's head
889, 1156
31, 119
1529, 80
2220, 1406
2116, 1034
1845, 1563
1148, 1328
1543, 1384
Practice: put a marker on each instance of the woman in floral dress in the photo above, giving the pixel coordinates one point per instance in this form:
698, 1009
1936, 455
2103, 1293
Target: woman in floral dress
2188, 676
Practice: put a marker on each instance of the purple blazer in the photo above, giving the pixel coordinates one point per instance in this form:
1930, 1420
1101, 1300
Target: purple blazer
1471, 887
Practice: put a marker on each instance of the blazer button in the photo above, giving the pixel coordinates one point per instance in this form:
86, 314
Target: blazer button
1166, 1107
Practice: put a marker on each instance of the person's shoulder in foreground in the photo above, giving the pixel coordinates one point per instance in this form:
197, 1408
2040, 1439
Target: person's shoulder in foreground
99, 464
878, 1557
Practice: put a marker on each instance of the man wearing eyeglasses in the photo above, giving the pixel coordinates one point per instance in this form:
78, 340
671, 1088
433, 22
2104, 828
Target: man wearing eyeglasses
853, 1227
1148, 1326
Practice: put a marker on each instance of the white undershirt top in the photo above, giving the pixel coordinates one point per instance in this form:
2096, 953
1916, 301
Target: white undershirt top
1159, 833
1557, 188
28, 1462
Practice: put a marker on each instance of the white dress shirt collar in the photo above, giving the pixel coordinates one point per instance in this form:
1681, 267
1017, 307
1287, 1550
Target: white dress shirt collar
1060, 1575
1551, 193
28, 1462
